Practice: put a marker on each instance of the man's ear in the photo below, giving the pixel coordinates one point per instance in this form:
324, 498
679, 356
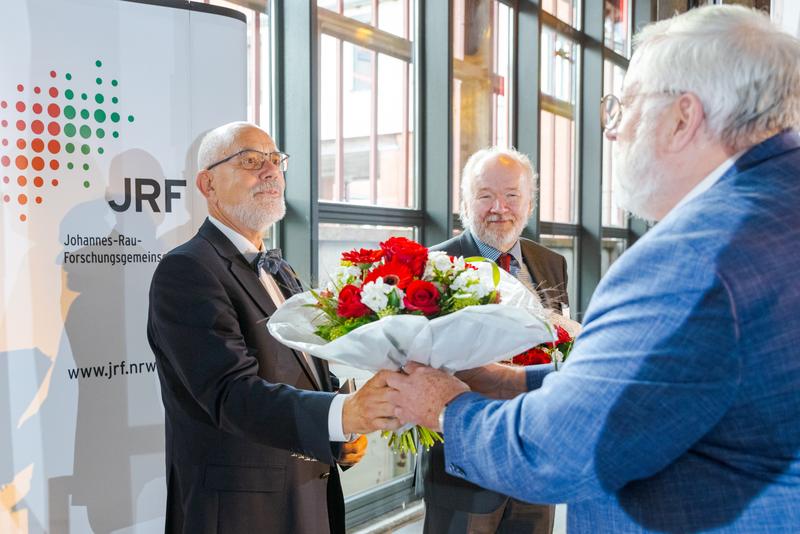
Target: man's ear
205, 183
687, 120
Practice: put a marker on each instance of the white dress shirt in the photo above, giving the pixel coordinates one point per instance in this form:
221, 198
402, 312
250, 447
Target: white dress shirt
249, 251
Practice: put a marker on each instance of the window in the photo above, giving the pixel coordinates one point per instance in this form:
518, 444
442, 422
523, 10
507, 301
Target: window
482, 81
566, 246
565, 10
617, 25
612, 214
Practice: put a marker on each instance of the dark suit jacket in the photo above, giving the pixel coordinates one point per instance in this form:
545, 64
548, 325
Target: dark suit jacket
548, 270
247, 444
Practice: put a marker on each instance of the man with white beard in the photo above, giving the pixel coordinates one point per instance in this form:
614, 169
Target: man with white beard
498, 187
254, 431
678, 408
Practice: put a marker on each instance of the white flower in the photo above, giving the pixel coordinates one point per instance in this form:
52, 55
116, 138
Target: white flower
557, 355
343, 275
375, 295
440, 260
459, 264
471, 281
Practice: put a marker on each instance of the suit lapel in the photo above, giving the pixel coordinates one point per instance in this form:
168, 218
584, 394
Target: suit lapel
538, 272
468, 245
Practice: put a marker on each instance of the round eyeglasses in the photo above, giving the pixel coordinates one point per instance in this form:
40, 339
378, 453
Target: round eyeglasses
610, 112
253, 160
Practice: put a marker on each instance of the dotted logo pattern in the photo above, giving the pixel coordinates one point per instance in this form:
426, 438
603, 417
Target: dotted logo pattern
48, 133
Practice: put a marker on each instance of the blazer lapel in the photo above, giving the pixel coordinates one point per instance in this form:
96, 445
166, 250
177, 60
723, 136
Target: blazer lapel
468, 245
538, 271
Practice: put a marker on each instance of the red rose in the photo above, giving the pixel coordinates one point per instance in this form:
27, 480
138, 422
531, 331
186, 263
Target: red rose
532, 356
364, 255
563, 336
350, 304
406, 251
422, 296
394, 273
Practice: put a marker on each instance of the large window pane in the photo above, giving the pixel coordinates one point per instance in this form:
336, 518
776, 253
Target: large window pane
617, 25
366, 106
611, 250
482, 69
565, 245
558, 131
566, 10
613, 215
379, 465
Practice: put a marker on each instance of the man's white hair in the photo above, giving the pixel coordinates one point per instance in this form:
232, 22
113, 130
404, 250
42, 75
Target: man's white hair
214, 145
744, 70
475, 167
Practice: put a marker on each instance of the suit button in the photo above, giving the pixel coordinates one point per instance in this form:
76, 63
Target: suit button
325, 475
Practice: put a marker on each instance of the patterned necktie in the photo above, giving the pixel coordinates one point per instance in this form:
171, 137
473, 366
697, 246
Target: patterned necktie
504, 261
272, 262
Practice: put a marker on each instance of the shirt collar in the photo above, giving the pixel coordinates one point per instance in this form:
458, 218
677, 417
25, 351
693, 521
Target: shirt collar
242, 244
712, 178
489, 252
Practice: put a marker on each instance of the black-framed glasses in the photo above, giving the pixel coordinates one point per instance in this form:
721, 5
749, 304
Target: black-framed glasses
253, 160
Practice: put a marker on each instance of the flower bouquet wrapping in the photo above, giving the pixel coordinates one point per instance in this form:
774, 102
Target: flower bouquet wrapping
555, 352
384, 308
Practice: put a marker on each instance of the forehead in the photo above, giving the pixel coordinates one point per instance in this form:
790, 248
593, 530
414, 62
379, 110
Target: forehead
500, 171
252, 138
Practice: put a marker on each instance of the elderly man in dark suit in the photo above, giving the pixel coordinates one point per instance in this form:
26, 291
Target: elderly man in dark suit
254, 431
497, 191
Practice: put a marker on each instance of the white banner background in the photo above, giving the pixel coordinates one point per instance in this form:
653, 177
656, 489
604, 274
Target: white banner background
81, 420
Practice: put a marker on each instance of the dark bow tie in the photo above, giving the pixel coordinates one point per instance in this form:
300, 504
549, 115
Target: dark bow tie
270, 260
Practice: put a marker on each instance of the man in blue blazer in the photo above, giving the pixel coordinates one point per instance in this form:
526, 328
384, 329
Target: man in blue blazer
679, 408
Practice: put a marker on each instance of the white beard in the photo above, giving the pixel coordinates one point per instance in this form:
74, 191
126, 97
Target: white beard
256, 214
495, 238
638, 175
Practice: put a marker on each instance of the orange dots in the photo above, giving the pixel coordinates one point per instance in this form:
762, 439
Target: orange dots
21, 144
22, 199
20, 106
20, 88
54, 146
20, 125
54, 182
21, 162
37, 145
23, 217
38, 200
37, 127
53, 110
54, 128
37, 163
38, 182
52, 74
37, 89
53, 92
54, 165
22, 181
37, 108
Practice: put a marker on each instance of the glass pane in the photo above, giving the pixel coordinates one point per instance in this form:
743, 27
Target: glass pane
612, 214
482, 71
558, 129
332, 5
394, 168
611, 250
566, 246
566, 10
395, 16
379, 464
616, 25
360, 10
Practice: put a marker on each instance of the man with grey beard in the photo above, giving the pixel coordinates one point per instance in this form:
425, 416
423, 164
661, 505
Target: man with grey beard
678, 408
254, 432
497, 191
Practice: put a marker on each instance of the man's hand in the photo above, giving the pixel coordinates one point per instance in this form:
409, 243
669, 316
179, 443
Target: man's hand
422, 394
353, 451
369, 409
495, 380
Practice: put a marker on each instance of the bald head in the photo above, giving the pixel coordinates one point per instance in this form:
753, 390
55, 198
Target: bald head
220, 142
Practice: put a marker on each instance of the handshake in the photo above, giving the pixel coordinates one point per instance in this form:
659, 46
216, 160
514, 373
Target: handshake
417, 394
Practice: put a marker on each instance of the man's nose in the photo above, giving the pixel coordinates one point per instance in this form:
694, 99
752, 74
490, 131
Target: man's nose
499, 205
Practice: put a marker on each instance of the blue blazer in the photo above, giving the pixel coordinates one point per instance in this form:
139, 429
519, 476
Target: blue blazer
679, 408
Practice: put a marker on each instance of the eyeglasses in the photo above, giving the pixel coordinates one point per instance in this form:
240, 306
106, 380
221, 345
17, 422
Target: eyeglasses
611, 108
253, 160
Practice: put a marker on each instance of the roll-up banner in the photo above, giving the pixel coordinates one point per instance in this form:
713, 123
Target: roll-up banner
102, 106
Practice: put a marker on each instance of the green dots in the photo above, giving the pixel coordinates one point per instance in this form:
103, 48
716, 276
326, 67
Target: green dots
69, 112
101, 151
100, 115
100, 133
69, 130
86, 132
115, 135
85, 150
69, 94
130, 118
114, 100
114, 83
70, 166
70, 148
99, 81
84, 114
98, 63
85, 168
69, 76
86, 184
115, 117
99, 98
84, 96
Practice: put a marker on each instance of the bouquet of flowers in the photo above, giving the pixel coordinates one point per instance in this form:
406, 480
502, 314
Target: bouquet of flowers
401, 303
552, 351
